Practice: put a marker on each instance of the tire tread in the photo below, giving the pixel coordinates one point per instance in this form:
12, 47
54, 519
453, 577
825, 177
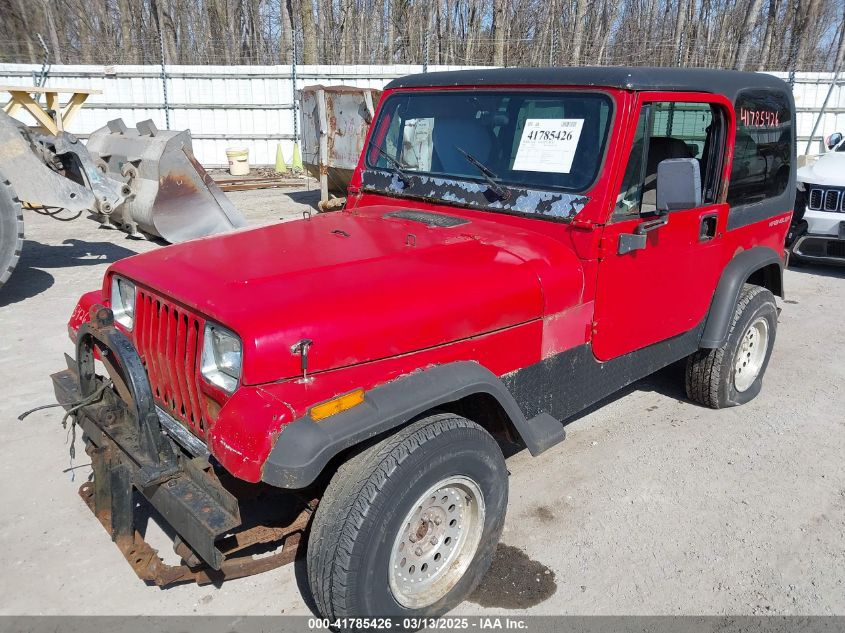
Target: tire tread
705, 367
350, 495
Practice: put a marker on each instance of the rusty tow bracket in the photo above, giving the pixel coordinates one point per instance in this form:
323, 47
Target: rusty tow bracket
151, 568
225, 528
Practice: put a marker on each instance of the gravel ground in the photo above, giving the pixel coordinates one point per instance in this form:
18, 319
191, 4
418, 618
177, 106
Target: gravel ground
652, 505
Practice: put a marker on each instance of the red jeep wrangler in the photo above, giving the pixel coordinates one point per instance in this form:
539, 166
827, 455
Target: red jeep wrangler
518, 244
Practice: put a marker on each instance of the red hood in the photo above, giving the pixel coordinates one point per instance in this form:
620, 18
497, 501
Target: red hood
354, 283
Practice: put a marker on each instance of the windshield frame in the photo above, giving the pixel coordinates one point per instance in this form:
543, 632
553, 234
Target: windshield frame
369, 162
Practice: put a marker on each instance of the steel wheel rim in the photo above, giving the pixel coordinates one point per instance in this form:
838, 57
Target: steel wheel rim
751, 354
436, 542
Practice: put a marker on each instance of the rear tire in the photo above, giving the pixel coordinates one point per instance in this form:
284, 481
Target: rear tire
732, 374
408, 527
11, 230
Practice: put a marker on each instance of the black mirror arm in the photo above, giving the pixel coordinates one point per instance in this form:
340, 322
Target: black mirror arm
651, 225
656, 213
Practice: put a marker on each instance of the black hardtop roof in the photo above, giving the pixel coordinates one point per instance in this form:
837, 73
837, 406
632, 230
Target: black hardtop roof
724, 82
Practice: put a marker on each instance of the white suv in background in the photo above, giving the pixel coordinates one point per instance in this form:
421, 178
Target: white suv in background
818, 227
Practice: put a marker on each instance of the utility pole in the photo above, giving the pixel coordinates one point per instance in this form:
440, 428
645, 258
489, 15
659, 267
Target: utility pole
425, 43
163, 76
296, 161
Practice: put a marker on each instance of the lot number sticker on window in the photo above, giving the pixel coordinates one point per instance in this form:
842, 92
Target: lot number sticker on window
548, 145
417, 144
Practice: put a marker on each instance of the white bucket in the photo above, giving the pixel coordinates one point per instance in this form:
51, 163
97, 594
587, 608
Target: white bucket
238, 160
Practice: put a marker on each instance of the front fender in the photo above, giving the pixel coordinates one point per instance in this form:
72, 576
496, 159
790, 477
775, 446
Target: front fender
304, 447
82, 312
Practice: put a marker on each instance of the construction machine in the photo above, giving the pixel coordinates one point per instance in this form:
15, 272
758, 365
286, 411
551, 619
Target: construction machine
141, 180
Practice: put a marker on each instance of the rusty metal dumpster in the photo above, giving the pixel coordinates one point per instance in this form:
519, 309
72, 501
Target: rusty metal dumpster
335, 120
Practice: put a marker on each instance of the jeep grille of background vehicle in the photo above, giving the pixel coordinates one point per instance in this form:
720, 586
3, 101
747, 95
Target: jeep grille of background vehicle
168, 340
826, 200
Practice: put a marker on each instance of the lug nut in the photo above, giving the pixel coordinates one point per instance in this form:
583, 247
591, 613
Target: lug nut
418, 551
437, 520
433, 540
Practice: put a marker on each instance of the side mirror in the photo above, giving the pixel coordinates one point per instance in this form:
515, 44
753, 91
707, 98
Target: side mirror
678, 184
833, 140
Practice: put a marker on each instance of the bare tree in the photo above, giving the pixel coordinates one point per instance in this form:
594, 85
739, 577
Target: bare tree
578, 30
309, 31
285, 33
499, 29
769, 33
746, 32
760, 34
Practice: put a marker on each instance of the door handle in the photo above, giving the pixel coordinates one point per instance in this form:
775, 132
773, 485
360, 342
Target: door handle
707, 227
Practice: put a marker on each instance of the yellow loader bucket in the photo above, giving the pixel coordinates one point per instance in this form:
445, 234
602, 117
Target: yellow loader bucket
172, 196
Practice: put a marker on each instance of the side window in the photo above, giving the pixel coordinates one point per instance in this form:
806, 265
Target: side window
671, 129
630, 195
763, 150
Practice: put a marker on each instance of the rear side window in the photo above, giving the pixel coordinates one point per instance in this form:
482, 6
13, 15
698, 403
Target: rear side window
763, 148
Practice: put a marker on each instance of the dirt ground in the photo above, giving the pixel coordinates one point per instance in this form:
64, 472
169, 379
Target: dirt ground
652, 505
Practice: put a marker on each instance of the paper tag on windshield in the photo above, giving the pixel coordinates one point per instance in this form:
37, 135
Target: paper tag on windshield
417, 144
548, 145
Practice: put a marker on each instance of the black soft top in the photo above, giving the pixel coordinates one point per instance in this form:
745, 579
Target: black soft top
724, 82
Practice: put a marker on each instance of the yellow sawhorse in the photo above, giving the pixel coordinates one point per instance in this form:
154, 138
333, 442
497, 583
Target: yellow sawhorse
22, 98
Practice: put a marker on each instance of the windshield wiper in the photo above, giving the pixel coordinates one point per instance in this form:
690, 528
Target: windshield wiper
397, 166
488, 175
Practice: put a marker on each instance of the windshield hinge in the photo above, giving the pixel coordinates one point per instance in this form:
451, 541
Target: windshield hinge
603, 250
586, 225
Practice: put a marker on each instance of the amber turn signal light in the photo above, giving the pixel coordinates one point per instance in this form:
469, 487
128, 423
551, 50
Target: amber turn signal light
336, 405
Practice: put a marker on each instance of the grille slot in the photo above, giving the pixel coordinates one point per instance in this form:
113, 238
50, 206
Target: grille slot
820, 247
836, 249
832, 199
167, 338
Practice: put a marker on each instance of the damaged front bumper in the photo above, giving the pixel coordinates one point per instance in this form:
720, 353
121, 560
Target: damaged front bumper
131, 450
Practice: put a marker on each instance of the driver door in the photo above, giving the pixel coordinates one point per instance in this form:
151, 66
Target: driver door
663, 286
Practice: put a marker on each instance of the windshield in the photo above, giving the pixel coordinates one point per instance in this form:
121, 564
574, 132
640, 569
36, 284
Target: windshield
530, 140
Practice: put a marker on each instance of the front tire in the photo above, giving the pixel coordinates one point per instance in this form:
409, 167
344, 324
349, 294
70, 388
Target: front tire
408, 527
732, 374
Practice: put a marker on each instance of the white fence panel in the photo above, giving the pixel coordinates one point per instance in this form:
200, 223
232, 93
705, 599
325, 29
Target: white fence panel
810, 91
223, 106
252, 106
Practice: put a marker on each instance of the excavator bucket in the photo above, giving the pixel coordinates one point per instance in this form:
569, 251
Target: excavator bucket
173, 197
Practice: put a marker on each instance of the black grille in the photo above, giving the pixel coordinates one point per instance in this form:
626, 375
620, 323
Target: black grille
831, 200
815, 199
835, 249
820, 247
813, 247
